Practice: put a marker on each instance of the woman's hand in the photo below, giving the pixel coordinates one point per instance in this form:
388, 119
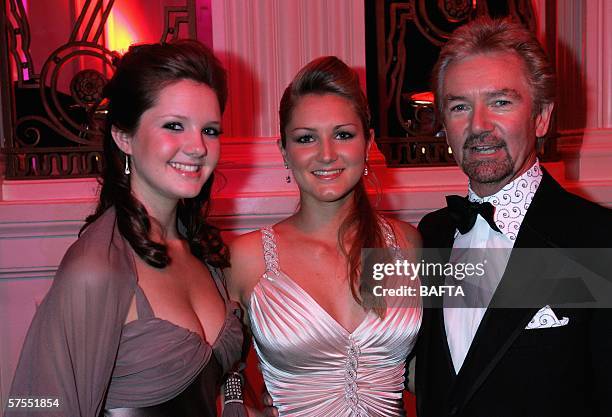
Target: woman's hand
269, 410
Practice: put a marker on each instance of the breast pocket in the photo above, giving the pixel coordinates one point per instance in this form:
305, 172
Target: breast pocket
555, 337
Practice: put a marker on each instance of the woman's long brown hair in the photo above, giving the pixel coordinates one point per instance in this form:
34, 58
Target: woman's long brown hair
140, 76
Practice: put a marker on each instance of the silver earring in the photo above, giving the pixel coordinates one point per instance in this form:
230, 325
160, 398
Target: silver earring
365, 169
288, 177
127, 171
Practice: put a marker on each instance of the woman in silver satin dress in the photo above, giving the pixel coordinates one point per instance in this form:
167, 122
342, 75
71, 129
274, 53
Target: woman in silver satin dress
327, 346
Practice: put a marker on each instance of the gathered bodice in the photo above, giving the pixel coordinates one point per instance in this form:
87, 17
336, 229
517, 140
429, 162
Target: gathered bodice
312, 366
80, 349
157, 360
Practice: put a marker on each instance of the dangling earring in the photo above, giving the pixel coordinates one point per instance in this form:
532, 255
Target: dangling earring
288, 177
365, 170
127, 171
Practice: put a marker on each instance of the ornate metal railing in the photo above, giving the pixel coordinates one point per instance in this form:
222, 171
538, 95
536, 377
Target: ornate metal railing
408, 36
54, 134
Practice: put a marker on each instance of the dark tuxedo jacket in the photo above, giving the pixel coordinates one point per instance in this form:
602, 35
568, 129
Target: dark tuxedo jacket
510, 371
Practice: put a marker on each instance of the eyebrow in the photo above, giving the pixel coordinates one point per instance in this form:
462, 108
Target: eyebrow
344, 125
510, 92
450, 97
180, 117
504, 92
310, 129
173, 116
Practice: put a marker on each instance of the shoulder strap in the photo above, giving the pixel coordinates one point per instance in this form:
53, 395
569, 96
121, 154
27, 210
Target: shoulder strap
143, 307
219, 279
270, 252
388, 233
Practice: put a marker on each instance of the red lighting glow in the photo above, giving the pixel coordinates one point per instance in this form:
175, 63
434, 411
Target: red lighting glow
134, 21
120, 31
424, 98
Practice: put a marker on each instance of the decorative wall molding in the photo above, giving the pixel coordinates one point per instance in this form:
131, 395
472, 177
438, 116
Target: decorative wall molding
49, 190
587, 153
43, 272
42, 218
34, 235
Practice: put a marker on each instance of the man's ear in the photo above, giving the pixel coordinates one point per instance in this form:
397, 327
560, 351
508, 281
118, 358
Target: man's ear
542, 120
122, 139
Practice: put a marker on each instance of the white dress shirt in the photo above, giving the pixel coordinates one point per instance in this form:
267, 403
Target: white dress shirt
511, 204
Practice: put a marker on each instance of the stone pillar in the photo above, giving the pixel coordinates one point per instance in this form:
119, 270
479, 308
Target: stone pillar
584, 58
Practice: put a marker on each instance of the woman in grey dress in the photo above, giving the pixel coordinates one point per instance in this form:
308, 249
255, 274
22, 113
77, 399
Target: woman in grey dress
137, 322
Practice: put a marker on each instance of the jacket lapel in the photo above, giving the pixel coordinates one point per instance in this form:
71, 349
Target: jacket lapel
501, 326
438, 235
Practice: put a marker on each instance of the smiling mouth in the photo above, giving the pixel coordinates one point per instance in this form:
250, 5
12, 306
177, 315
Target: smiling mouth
185, 168
486, 149
327, 173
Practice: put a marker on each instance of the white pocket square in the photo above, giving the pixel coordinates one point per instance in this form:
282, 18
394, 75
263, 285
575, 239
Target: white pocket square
546, 318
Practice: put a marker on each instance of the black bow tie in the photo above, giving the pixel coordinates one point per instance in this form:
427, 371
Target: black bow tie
463, 212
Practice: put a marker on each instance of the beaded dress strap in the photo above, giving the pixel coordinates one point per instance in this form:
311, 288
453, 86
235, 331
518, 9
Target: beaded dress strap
270, 252
390, 239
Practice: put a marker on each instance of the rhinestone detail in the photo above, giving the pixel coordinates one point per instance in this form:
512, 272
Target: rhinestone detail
350, 378
270, 254
232, 389
390, 240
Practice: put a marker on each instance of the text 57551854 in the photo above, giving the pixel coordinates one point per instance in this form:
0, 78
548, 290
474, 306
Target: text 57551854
33, 402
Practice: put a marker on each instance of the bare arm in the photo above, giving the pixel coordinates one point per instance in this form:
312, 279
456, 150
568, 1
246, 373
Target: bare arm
247, 267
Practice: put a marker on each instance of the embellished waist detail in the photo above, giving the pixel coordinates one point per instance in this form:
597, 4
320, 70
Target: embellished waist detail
350, 377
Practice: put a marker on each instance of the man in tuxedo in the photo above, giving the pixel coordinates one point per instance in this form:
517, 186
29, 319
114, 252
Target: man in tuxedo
494, 90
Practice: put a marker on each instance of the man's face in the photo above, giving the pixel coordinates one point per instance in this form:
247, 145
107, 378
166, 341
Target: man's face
489, 121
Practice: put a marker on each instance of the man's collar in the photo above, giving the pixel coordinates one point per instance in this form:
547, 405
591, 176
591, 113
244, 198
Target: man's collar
513, 200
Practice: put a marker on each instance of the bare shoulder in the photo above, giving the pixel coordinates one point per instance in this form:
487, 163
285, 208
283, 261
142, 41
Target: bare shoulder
247, 265
406, 234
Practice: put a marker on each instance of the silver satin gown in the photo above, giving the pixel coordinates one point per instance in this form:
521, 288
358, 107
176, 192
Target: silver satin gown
311, 365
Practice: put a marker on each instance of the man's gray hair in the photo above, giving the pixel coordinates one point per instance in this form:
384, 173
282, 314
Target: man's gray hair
485, 35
